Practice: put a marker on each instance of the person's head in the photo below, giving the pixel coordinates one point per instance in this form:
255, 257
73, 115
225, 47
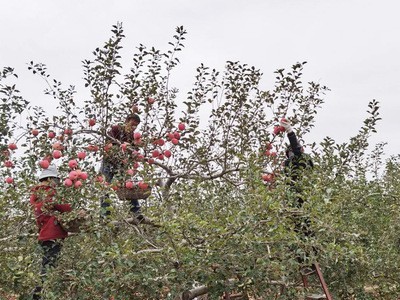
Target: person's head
50, 175
132, 121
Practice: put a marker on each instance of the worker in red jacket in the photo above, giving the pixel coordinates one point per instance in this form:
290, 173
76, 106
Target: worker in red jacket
51, 234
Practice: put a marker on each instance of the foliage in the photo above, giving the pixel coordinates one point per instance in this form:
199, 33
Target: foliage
221, 225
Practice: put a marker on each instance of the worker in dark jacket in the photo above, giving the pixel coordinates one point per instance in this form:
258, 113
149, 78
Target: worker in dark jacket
51, 234
113, 162
297, 163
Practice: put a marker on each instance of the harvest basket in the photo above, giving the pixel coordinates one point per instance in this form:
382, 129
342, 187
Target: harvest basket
134, 193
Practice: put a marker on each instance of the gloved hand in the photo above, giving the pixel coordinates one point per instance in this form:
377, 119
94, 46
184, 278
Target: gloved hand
286, 124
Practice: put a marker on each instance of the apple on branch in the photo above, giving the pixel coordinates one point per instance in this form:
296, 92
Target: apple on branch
57, 154
181, 126
44, 163
68, 182
72, 164
167, 153
81, 155
92, 122
51, 134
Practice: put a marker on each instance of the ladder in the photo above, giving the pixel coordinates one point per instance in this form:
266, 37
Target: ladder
316, 270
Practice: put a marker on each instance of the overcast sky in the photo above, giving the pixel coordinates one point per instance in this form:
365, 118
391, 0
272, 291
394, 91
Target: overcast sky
351, 46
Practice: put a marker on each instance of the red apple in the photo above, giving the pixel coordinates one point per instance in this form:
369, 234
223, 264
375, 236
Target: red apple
68, 131
93, 148
278, 129
143, 185
151, 100
181, 126
99, 178
12, 146
72, 164
160, 142
73, 175
155, 153
136, 165
57, 154
129, 185
177, 135
170, 136
57, 146
108, 147
268, 177
81, 155
137, 135
92, 122
51, 134
9, 180
161, 157
35, 132
268, 146
44, 163
174, 141
151, 161
8, 164
77, 184
67, 182
130, 172
83, 175
167, 153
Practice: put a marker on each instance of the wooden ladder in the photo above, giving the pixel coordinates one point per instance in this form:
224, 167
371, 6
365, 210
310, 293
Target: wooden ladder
317, 271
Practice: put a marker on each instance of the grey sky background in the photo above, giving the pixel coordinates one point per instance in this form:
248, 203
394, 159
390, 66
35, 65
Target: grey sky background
351, 46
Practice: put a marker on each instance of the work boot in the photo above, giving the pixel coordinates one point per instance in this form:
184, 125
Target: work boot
144, 220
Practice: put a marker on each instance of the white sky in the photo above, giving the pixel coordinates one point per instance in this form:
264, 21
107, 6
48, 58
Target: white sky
351, 46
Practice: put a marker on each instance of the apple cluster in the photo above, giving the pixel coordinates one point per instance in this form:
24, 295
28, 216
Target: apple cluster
8, 162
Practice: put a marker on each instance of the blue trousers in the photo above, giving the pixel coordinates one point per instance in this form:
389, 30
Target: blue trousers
51, 251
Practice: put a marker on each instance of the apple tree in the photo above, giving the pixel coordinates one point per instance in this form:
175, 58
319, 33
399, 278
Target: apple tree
213, 159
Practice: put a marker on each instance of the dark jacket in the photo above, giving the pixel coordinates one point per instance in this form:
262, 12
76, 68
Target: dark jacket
119, 133
114, 156
296, 165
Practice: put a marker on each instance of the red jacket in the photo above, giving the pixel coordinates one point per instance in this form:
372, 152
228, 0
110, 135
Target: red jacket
42, 202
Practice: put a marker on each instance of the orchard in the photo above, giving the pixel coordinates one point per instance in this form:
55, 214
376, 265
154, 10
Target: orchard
212, 159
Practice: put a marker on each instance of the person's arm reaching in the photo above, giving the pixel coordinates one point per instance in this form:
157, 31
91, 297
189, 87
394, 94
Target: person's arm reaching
294, 143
